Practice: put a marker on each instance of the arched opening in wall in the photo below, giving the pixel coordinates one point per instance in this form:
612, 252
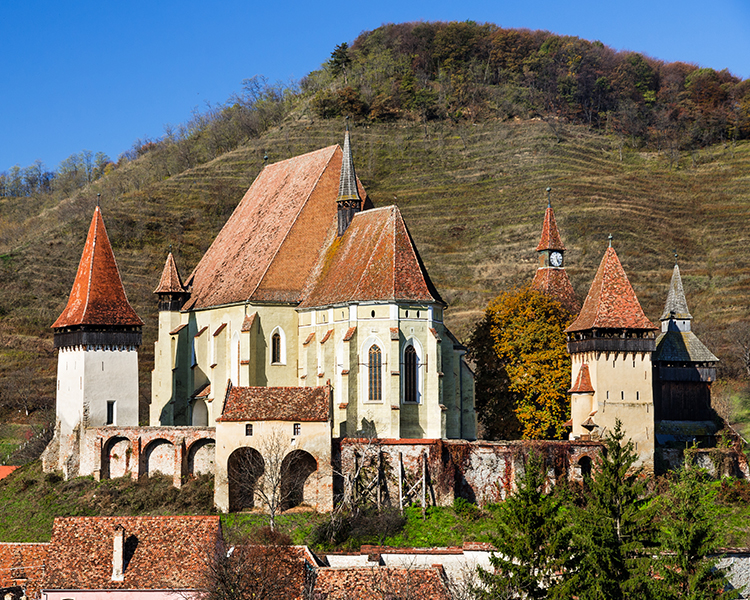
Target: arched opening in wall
201, 457
116, 457
276, 348
244, 468
296, 469
200, 413
584, 464
158, 457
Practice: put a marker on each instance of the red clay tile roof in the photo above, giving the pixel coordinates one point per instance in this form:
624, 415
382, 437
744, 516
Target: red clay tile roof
271, 243
98, 297
309, 339
6, 470
611, 302
219, 329
583, 382
550, 235
555, 283
177, 329
326, 336
170, 281
23, 565
374, 583
350, 334
277, 404
247, 324
375, 259
161, 552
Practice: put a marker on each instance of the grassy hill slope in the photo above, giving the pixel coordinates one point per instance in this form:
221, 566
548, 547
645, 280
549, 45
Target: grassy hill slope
473, 198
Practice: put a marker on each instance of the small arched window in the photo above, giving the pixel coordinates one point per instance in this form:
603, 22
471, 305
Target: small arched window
374, 372
410, 374
276, 348
249, 429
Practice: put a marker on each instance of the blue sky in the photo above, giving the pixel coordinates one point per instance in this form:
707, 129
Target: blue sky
99, 75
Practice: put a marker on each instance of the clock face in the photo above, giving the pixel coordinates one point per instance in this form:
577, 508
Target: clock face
556, 259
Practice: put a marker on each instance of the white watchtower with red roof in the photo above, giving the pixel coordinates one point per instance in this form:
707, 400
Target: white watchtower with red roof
97, 336
611, 345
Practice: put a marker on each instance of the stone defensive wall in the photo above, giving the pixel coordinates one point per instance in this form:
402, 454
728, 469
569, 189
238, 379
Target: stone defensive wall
179, 452
436, 472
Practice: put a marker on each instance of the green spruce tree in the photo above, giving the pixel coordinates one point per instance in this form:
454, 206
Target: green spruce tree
689, 541
531, 540
612, 534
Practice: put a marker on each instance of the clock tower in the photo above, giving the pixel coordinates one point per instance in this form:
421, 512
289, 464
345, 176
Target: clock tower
551, 277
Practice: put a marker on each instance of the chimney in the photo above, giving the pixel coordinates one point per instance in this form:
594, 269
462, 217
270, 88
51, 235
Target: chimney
118, 556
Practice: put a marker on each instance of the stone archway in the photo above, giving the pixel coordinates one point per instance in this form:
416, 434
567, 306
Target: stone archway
201, 457
584, 465
116, 457
158, 457
296, 469
244, 467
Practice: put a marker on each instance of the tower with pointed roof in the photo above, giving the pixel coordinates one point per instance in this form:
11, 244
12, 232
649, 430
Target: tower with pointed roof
611, 345
551, 278
683, 372
348, 201
97, 336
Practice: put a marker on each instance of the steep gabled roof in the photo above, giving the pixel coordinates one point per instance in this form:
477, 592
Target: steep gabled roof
23, 565
98, 297
676, 306
159, 552
304, 404
583, 382
611, 302
170, 281
555, 283
375, 259
272, 241
551, 239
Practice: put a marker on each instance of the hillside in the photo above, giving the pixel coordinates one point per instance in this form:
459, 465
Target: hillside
473, 198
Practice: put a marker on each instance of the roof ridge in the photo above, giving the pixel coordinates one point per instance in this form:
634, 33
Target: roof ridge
97, 212
294, 221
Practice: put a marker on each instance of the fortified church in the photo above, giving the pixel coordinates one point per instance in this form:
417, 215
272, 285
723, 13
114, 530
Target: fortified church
312, 319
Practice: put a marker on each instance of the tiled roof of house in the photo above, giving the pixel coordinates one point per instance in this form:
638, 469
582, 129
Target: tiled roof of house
249, 320
611, 302
583, 382
170, 281
681, 347
555, 283
551, 239
271, 243
676, 306
374, 583
23, 565
375, 259
277, 404
159, 552
98, 297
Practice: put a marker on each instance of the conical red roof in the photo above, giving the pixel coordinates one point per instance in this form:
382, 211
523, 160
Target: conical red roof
611, 302
550, 235
97, 297
170, 282
583, 382
554, 282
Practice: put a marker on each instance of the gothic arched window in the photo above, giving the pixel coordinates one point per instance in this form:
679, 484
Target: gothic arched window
374, 372
276, 348
410, 374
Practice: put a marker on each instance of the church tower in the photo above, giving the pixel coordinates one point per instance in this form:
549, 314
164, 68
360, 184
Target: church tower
683, 371
97, 337
611, 343
348, 202
551, 278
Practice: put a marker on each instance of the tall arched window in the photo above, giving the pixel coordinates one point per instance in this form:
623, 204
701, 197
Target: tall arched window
410, 374
276, 348
374, 374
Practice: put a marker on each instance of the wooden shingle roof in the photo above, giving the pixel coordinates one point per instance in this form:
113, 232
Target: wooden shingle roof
98, 296
160, 552
611, 302
267, 249
376, 259
306, 404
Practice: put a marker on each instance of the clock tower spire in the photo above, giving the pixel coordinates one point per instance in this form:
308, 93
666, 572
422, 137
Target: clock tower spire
551, 277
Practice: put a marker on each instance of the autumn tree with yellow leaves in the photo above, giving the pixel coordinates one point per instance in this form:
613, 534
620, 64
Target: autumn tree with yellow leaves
522, 366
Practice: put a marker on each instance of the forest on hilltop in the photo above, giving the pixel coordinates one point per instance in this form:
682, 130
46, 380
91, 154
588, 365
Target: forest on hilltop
463, 125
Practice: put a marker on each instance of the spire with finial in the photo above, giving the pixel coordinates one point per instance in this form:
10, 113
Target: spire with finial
610, 238
348, 200
171, 291
676, 306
